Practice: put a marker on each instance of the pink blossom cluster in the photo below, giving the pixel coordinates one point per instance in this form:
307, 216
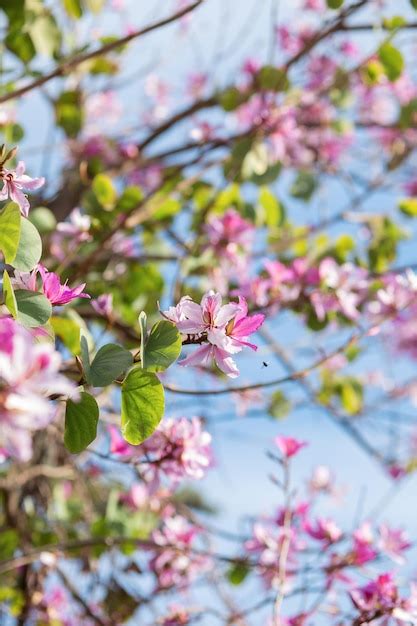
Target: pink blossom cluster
179, 561
230, 237
380, 599
179, 449
344, 289
222, 329
295, 526
29, 372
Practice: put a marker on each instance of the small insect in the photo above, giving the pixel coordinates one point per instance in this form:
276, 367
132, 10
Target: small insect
265, 364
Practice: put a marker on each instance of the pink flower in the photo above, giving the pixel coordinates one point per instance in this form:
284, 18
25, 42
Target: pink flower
103, 305
70, 234
197, 82
177, 564
14, 184
242, 325
393, 543
180, 448
29, 372
225, 328
363, 550
289, 446
117, 444
57, 293
324, 530
229, 229
378, 595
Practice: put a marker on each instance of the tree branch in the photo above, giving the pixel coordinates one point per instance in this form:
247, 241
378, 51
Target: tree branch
70, 64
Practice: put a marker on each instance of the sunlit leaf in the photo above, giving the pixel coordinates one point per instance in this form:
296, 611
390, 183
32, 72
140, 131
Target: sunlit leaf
142, 405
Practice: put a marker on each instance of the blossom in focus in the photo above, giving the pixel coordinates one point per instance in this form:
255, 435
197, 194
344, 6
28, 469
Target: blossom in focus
29, 372
15, 183
222, 329
289, 446
57, 293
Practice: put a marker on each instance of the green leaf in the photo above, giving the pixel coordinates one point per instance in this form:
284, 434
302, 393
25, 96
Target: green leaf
392, 61
33, 309
142, 405
8, 295
272, 78
43, 219
274, 214
334, 4
408, 206
73, 8
304, 186
350, 392
104, 191
101, 65
68, 331
81, 420
231, 98
29, 251
166, 209
69, 112
129, 199
85, 357
408, 114
108, 364
279, 405
238, 572
414, 4
10, 221
394, 22
269, 176
45, 35
21, 45
163, 347
9, 542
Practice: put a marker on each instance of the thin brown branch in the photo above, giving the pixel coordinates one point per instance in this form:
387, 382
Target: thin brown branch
68, 65
272, 383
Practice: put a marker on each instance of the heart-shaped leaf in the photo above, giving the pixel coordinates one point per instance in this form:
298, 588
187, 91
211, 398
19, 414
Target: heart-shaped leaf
143, 405
33, 309
110, 361
29, 251
163, 347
